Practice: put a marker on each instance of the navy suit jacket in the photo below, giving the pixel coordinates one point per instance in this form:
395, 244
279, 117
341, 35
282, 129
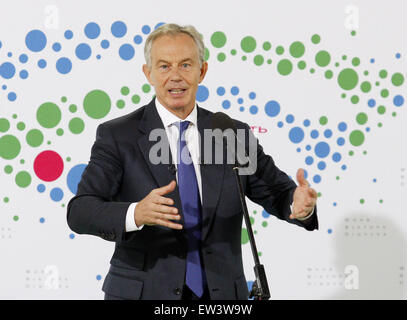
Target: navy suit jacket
150, 263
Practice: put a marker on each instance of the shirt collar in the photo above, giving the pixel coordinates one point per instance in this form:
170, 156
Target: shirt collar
168, 118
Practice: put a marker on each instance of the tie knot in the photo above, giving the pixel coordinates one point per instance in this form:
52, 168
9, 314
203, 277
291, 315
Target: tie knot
183, 126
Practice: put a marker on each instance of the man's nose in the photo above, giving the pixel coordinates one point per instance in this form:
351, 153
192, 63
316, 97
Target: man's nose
175, 75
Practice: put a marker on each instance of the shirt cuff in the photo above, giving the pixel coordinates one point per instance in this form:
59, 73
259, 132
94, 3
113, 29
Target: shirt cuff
304, 218
130, 223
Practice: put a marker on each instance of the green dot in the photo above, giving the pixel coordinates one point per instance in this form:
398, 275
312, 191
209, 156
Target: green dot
344, 57
233, 52
377, 83
218, 39
312, 70
351, 153
245, 236
322, 58
301, 65
319, 194
315, 39
34, 138
251, 220
21, 126
244, 58
135, 98
353, 33
337, 64
361, 118
343, 95
23, 179
264, 224
258, 60
329, 74
394, 114
365, 152
362, 201
22, 161
146, 88
76, 125
248, 44
259, 253
60, 132
206, 55
4, 125
97, 104
397, 79
269, 61
120, 104
48, 115
280, 50
380, 124
284, 67
297, 49
6, 199
354, 99
15, 218
48, 142
10, 147
381, 110
366, 73
384, 93
254, 212
383, 74
337, 177
73, 108
356, 138
348, 79
8, 169
14, 116
221, 57
125, 91
64, 99
323, 120
355, 61
365, 86
266, 46
68, 159
380, 201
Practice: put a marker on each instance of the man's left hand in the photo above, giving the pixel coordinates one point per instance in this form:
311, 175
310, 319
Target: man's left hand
305, 198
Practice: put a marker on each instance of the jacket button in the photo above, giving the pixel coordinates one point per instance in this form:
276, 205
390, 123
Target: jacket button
177, 291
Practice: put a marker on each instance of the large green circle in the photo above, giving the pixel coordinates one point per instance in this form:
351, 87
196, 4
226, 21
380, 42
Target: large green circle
48, 115
348, 79
10, 147
97, 104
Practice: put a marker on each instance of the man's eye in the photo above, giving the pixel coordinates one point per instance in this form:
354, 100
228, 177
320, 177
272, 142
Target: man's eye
185, 65
164, 67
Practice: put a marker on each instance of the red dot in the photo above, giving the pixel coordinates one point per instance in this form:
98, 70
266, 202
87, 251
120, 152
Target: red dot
48, 165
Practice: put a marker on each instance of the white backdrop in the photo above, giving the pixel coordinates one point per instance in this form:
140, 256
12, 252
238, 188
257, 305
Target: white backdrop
287, 68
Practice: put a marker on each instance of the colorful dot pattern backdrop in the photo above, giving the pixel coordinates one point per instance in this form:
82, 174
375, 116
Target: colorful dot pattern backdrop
320, 141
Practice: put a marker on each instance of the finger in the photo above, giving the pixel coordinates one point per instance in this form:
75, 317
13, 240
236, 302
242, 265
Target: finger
301, 179
161, 208
163, 200
165, 216
312, 193
168, 224
166, 189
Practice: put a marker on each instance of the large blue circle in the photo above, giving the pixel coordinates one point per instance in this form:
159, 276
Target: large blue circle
322, 149
272, 108
202, 94
56, 194
118, 29
35, 40
64, 65
74, 176
7, 70
126, 51
83, 51
92, 30
296, 135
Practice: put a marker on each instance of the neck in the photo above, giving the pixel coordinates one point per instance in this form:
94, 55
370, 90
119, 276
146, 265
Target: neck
180, 112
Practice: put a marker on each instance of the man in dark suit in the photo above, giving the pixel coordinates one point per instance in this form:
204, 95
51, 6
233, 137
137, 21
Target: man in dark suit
178, 227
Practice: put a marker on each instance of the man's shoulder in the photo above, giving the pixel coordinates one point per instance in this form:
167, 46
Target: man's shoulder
238, 123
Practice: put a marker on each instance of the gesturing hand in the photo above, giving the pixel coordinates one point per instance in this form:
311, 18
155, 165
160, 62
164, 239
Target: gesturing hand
305, 198
155, 209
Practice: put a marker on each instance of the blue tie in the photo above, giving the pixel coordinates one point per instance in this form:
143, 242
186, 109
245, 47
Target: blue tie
191, 208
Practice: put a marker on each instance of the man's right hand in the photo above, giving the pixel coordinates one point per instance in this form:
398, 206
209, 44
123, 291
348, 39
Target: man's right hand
155, 209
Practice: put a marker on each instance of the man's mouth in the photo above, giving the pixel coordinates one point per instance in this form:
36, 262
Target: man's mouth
177, 91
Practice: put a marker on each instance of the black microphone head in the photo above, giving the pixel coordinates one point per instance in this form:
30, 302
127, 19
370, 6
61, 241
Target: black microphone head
222, 121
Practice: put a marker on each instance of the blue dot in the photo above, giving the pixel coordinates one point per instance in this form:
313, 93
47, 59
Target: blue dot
328, 133
1, 44
372, 60
308, 147
367, 129
42, 220
56, 194
64, 65
306, 123
56, 47
289, 118
42, 63
118, 29
321, 165
41, 188
23, 74
265, 214
309, 160
374, 180
342, 126
226, 104
83, 51
334, 204
398, 100
23, 58
68, 34
146, 29
316, 178
240, 101
138, 39
298, 149
296, 135
12, 96
329, 231
344, 167
336, 157
159, 25
253, 109
322, 149
104, 44
241, 109
126, 51
35, 40
220, 91
272, 108
98, 56
398, 55
314, 134
340, 141
234, 91
98, 277
9, 54
7, 70
202, 94
71, 236
252, 95
74, 176
4, 87
280, 124
92, 30
371, 103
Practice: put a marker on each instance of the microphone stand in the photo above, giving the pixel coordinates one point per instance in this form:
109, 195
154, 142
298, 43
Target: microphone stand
260, 288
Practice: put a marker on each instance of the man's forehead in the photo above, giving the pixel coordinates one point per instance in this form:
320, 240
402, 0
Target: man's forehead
175, 44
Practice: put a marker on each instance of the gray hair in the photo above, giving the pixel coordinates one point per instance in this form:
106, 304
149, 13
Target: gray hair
174, 29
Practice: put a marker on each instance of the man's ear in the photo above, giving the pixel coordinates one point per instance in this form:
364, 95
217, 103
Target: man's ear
204, 68
147, 73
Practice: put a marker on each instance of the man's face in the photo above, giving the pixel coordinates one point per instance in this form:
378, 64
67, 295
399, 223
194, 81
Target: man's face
175, 72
